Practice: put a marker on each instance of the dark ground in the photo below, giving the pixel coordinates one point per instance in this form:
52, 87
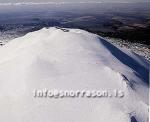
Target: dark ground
127, 21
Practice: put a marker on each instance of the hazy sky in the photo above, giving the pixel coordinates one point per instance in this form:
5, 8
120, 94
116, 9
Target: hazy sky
18, 1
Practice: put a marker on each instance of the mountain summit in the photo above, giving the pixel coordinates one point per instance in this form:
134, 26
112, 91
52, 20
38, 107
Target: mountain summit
71, 59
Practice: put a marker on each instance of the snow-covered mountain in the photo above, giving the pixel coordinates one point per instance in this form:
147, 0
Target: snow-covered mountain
71, 59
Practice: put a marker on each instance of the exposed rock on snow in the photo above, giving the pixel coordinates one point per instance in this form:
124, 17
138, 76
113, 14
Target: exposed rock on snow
70, 59
140, 49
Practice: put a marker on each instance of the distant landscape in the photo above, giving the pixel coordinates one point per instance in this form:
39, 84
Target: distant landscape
127, 21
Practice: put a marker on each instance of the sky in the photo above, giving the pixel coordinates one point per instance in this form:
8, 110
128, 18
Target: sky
38, 1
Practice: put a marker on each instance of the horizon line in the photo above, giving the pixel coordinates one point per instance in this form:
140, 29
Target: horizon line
46, 3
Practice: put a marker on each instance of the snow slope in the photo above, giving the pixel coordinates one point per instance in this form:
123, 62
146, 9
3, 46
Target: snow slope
70, 59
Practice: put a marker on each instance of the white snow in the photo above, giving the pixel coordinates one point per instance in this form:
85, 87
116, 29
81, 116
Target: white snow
70, 60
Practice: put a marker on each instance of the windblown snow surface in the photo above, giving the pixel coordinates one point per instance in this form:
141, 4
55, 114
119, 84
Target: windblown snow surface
71, 59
